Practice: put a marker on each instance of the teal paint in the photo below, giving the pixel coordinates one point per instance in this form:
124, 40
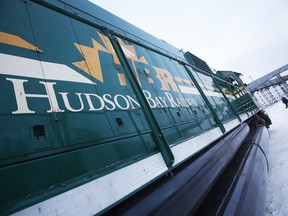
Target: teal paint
63, 121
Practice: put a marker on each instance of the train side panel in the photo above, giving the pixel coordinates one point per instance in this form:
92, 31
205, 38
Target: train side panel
73, 122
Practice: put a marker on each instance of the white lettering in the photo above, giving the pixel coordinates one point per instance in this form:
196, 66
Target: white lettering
183, 101
118, 104
171, 99
158, 102
91, 105
131, 100
163, 101
67, 103
93, 102
151, 102
179, 102
109, 102
21, 96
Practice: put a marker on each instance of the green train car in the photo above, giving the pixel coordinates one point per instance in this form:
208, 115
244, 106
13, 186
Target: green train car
99, 117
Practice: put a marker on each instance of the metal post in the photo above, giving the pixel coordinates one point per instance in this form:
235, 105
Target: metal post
216, 118
156, 130
227, 100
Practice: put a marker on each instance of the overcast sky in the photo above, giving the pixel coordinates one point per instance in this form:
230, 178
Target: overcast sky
246, 36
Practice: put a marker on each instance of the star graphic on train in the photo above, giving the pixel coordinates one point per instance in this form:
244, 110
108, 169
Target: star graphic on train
92, 63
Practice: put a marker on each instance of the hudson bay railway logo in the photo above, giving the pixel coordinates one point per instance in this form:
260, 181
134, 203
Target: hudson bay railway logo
18, 69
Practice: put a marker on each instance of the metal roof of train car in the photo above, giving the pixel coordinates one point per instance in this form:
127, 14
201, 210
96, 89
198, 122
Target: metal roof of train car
115, 23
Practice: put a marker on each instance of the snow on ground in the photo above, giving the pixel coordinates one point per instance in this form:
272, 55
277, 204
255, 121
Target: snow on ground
277, 153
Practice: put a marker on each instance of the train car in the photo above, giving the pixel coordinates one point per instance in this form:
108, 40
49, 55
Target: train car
100, 117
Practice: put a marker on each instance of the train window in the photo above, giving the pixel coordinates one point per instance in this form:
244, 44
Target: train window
231, 80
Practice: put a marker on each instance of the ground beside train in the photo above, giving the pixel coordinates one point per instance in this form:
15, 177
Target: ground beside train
277, 187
